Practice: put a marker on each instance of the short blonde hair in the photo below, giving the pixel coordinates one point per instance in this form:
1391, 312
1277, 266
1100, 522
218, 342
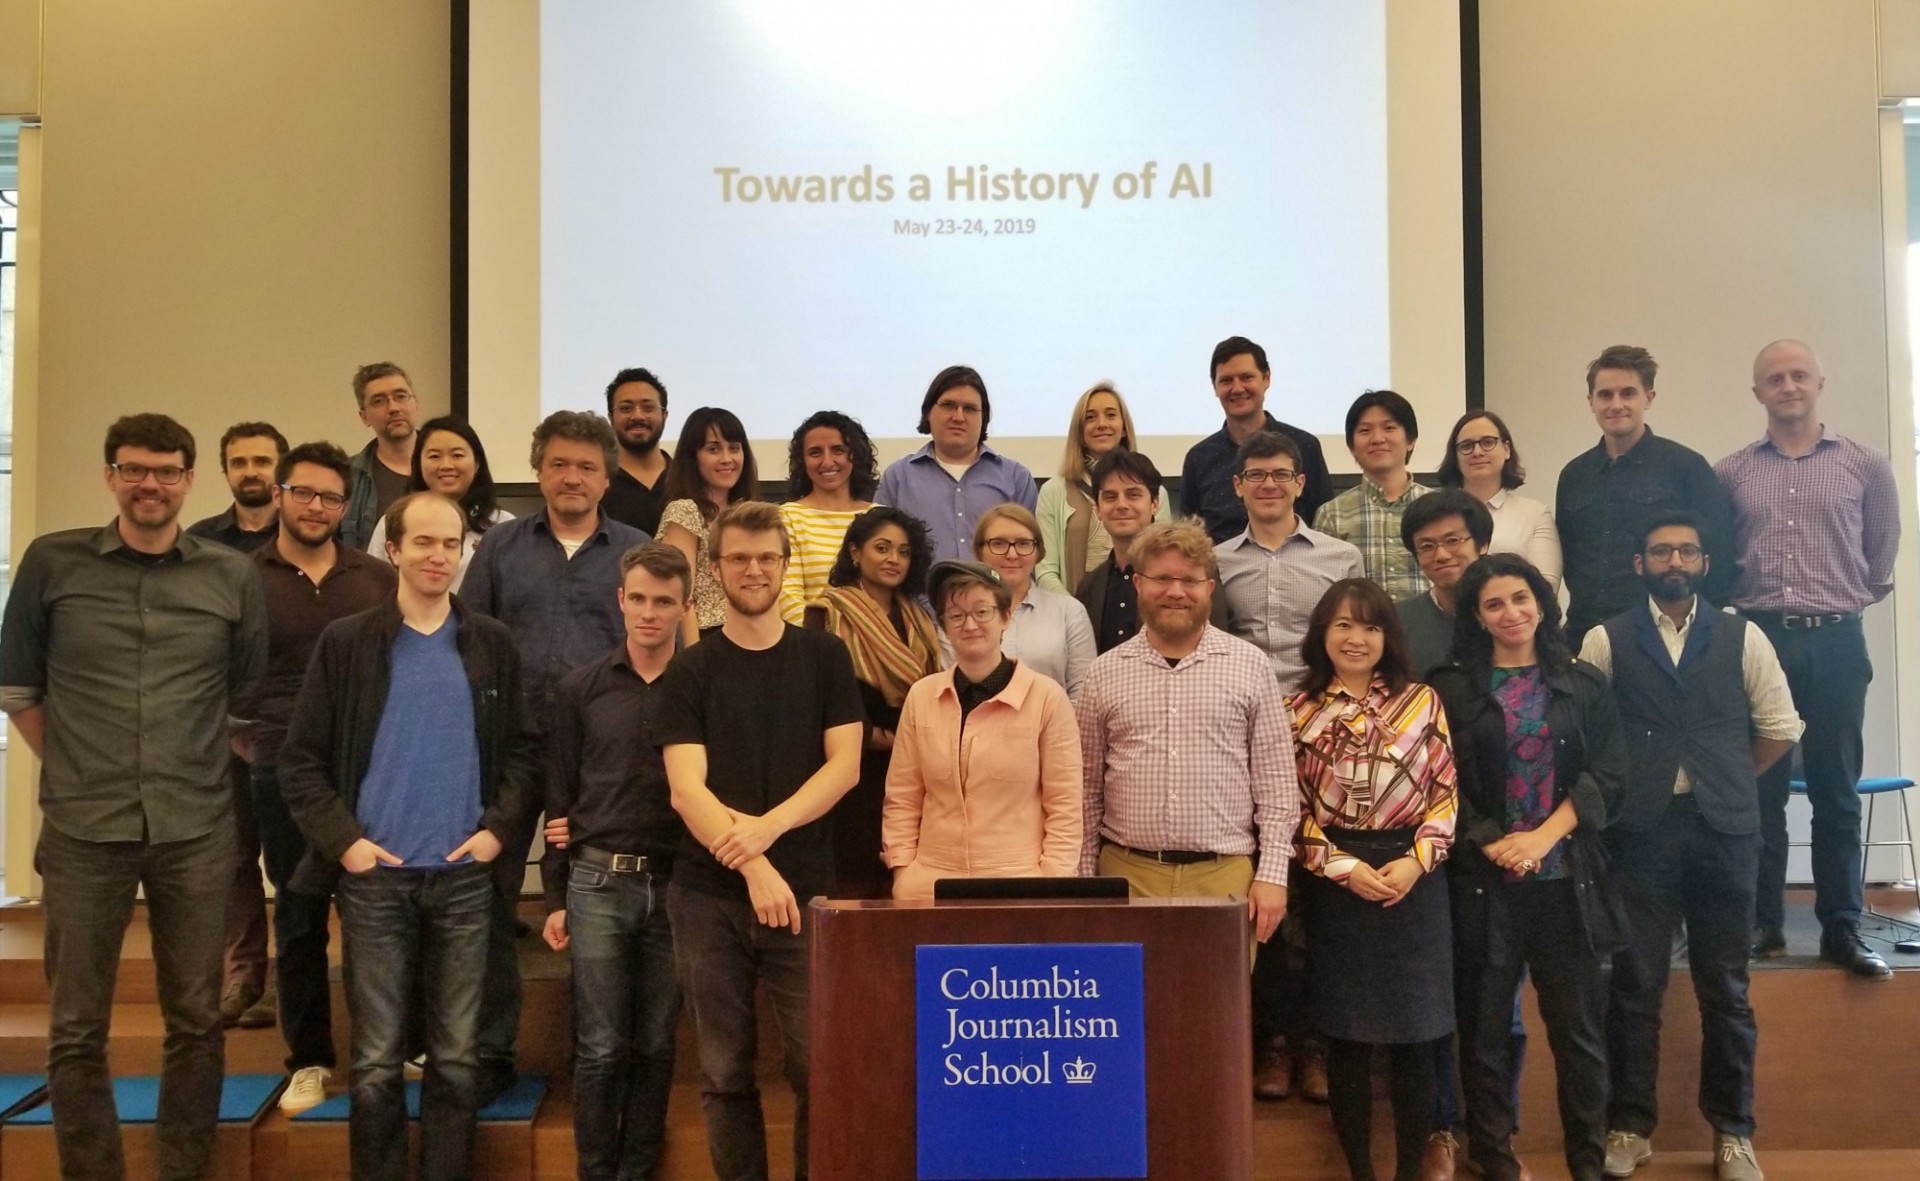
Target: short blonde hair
1073, 464
1016, 513
1186, 537
749, 516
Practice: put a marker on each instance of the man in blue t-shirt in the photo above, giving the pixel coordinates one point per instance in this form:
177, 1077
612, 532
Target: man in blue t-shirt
410, 757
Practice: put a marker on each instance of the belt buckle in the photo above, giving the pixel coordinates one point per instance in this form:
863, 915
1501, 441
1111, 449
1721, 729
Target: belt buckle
627, 863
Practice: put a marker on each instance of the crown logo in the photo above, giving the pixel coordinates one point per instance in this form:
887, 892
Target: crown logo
1078, 1071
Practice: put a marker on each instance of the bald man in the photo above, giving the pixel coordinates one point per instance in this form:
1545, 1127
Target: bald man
1818, 522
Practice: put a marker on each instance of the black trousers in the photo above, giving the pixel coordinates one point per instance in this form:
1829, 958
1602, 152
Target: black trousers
1682, 871
1530, 926
1828, 671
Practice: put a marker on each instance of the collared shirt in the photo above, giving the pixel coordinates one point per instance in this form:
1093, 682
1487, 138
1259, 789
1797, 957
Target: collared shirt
1120, 614
1524, 526
564, 612
1602, 508
1765, 682
604, 771
919, 485
1365, 517
225, 529
1378, 762
138, 664
630, 502
1271, 594
297, 612
972, 696
1206, 480
1195, 757
1052, 635
1818, 533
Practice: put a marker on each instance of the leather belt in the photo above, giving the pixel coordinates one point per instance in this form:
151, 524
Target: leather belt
618, 862
1789, 621
1172, 856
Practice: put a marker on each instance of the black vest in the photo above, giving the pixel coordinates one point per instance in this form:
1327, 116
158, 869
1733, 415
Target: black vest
1695, 716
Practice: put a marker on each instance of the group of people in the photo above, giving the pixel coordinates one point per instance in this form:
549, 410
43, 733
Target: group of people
1374, 728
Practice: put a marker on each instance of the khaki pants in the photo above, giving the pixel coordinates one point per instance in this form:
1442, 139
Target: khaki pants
1226, 877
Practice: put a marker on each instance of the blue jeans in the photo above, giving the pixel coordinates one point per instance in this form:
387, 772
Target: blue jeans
398, 926
626, 1007
300, 935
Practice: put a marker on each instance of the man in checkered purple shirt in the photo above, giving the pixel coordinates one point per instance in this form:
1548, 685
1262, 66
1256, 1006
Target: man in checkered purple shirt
1819, 528
1187, 745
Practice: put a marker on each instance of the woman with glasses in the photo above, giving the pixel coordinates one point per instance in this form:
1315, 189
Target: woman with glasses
1377, 773
985, 780
831, 475
712, 468
1050, 631
448, 459
1540, 758
1070, 530
872, 603
1481, 459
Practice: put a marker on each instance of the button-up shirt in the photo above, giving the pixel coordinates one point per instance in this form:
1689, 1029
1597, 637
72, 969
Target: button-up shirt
564, 612
1196, 756
1524, 526
1365, 517
1051, 634
1206, 480
225, 529
949, 507
137, 664
1602, 508
1764, 681
1271, 593
1818, 533
297, 612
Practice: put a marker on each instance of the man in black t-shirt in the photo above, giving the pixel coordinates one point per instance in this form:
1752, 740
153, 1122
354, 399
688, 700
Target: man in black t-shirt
760, 728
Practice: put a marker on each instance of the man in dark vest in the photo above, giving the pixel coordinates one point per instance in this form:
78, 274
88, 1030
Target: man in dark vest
1706, 708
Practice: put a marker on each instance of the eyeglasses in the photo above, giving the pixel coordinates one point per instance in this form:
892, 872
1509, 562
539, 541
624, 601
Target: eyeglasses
397, 398
1427, 549
133, 473
738, 562
1169, 581
1257, 475
1663, 552
981, 616
1483, 443
331, 501
1000, 547
947, 406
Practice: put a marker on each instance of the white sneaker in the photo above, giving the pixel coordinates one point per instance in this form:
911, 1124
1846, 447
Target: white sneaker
308, 1088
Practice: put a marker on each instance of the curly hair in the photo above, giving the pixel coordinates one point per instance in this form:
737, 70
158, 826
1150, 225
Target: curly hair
864, 479
919, 547
1473, 646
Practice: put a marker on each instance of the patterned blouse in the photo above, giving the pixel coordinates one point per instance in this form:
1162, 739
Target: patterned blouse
1380, 763
709, 601
1522, 696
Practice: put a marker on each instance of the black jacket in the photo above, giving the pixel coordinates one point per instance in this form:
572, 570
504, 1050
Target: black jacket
1589, 766
337, 715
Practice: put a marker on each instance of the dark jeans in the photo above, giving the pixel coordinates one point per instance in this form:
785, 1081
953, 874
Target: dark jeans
300, 935
626, 1008
398, 925
88, 890
1446, 1073
1681, 871
500, 1008
1350, 1093
247, 904
1532, 926
1828, 671
1279, 983
721, 952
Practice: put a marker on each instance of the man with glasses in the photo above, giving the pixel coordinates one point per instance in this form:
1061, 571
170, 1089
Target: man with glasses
553, 578
381, 471
125, 649
310, 580
760, 727
956, 477
1446, 531
637, 408
1707, 691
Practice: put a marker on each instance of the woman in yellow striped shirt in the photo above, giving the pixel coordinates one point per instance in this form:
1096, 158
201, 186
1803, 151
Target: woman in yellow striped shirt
831, 475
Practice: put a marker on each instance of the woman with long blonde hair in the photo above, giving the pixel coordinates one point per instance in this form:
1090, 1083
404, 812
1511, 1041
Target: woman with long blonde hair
1070, 530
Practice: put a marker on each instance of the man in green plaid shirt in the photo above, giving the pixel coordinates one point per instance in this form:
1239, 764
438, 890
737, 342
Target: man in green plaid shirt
1381, 432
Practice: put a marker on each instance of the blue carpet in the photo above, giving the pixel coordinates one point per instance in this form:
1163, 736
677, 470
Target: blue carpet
138, 1099
517, 1103
17, 1090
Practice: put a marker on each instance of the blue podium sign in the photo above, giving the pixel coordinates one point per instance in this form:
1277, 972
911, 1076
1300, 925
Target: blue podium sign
1030, 1061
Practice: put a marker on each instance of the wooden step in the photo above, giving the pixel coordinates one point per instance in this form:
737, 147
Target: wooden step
29, 1153
307, 1150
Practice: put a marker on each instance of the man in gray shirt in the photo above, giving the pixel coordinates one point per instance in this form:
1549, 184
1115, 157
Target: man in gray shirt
123, 647
1446, 531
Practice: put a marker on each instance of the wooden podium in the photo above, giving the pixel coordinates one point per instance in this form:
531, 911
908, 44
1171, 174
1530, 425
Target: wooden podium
1199, 1098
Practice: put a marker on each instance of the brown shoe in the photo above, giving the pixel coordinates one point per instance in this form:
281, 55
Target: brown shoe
1436, 1163
1273, 1071
1313, 1073
238, 998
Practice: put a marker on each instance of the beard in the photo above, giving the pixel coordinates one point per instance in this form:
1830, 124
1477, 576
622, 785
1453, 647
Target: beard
752, 602
639, 447
1174, 624
253, 493
308, 533
1674, 586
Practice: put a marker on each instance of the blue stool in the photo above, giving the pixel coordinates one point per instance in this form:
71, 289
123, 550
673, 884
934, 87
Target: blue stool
1873, 789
